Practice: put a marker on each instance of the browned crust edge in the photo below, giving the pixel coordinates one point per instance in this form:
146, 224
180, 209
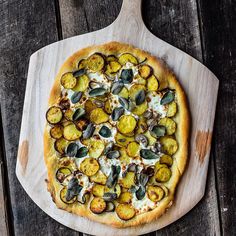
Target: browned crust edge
166, 78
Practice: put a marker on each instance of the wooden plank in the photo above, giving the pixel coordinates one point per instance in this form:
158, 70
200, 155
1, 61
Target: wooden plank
25, 27
4, 217
219, 33
175, 22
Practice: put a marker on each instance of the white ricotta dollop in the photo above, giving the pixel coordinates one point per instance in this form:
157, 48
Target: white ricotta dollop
142, 205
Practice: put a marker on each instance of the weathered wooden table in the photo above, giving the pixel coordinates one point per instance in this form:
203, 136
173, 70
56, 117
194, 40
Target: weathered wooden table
202, 28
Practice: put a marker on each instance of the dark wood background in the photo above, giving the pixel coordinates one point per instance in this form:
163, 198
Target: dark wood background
205, 29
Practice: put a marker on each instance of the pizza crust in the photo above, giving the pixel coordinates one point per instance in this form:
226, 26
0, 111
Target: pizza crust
166, 79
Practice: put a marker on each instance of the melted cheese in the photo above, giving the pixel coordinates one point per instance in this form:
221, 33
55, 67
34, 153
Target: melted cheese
155, 104
142, 205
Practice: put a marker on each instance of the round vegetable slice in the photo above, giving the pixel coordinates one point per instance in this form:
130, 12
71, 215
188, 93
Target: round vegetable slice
127, 57
99, 178
166, 159
56, 131
172, 109
54, 115
98, 116
163, 174
128, 180
89, 166
95, 62
63, 196
82, 64
145, 71
69, 114
133, 149
125, 197
82, 83
98, 190
126, 124
152, 83
71, 133
169, 124
125, 211
155, 193
62, 173
98, 205
124, 93
113, 67
68, 81
96, 148
60, 145
169, 145
111, 58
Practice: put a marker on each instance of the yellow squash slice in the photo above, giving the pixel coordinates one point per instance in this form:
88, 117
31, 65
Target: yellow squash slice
89, 166
169, 124
113, 67
82, 83
70, 132
169, 145
145, 71
128, 180
133, 149
155, 193
166, 159
127, 57
95, 62
96, 148
98, 190
98, 205
172, 109
152, 83
56, 131
125, 197
140, 109
54, 115
125, 211
98, 116
99, 178
124, 93
163, 175
82, 64
126, 124
134, 89
60, 145
68, 81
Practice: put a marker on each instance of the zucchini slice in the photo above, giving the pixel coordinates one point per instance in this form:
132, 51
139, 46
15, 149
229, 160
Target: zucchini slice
71, 133
169, 124
54, 115
96, 148
152, 83
172, 109
89, 166
56, 131
63, 196
81, 84
68, 81
98, 190
99, 178
125, 211
124, 93
126, 124
163, 175
127, 57
169, 145
125, 197
62, 173
145, 71
69, 114
133, 149
123, 140
113, 67
140, 109
128, 180
82, 64
135, 89
96, 62
166, 159
98, 205
155, 193
60, 145
98, 116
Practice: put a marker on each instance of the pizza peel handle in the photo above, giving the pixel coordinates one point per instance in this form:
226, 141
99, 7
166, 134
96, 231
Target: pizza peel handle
201, 88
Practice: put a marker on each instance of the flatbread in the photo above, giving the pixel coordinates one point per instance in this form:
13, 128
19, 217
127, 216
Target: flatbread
146, 210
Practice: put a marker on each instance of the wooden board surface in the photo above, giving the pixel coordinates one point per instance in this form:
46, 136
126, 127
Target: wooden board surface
43, 67
170, 20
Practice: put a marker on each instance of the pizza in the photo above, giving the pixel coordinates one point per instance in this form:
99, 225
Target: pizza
116, 136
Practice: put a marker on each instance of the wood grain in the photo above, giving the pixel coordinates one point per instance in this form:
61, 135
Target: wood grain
25, 27
219, 36
44, 65
175, 22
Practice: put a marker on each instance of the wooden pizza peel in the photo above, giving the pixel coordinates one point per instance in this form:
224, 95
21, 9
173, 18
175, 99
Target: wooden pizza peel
200, 85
